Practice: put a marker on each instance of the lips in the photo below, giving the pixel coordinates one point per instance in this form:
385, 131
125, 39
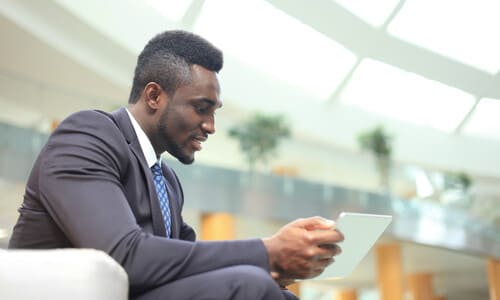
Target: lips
196, 142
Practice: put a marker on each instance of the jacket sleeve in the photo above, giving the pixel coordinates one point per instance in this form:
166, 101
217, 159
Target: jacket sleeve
80, 187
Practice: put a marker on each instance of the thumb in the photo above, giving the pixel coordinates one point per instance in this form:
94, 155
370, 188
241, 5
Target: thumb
314, 223
275, 275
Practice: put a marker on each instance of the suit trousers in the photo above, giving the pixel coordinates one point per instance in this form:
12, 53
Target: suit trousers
243, 282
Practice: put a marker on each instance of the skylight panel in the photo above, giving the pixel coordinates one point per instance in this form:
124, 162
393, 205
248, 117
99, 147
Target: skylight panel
423, 185
174, 10
374, 12
266, 38
466, 31
394, 93
484, 120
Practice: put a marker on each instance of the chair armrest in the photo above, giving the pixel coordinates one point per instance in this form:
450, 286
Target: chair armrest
75, 274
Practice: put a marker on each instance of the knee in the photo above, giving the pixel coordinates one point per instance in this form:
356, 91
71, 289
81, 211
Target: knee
251, 276
254, 282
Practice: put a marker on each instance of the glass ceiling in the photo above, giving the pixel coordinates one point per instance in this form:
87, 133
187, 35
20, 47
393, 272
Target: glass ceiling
374, 12
392, 92
174, 10
268, 39
463, 30
485, 120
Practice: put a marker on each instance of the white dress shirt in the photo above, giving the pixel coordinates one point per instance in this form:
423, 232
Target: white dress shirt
147, 148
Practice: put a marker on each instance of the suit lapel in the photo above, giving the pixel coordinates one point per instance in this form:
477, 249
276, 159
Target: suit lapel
125, 125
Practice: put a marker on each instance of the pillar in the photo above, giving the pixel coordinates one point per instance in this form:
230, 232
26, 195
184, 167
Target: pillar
494, 278
53, 125
217, 226
294, 288
284, 171
348, 294
389, 271
420, 286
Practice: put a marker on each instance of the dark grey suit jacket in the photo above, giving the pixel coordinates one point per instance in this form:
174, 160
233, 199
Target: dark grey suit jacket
90, 187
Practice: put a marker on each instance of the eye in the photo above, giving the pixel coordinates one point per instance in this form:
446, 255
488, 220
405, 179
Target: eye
200, 109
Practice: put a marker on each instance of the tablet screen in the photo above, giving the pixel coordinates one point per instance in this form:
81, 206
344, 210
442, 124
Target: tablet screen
361, 231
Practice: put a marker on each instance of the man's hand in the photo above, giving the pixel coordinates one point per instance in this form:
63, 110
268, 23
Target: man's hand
303, 248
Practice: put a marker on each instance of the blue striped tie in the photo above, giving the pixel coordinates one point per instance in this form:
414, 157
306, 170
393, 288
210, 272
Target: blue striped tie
161, 190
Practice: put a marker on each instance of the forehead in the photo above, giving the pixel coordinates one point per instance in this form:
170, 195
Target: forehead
204, 86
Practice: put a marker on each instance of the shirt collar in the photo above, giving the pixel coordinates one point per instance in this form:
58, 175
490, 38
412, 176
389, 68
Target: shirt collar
147, 148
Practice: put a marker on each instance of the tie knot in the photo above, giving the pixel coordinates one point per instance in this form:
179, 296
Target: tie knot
156, 170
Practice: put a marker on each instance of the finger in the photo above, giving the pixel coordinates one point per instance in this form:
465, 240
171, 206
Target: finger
286, 282
275, 275
320, 265
329, 250
336, 249
315, 223
340, 234
327, 253
323, 263
314, 273
322, 237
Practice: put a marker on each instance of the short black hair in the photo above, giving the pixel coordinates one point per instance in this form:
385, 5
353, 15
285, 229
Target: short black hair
166, 60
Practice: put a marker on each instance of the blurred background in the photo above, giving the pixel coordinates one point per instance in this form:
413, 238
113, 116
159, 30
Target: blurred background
384, 106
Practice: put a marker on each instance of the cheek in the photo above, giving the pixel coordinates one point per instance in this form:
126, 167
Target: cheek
190, 119
183, 124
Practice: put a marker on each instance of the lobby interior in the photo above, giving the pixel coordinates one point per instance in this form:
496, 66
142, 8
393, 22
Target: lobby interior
333, 69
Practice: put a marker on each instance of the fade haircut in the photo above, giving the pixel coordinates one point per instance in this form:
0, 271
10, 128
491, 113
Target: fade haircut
166, 59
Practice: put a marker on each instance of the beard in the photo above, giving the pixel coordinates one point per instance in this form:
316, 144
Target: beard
175, 149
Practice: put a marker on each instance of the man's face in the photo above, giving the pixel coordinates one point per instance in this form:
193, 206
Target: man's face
189, 115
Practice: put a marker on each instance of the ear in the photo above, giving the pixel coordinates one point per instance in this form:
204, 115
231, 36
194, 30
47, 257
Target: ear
153, 94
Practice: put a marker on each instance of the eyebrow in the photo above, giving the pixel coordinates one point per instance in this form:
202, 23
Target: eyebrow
210, 102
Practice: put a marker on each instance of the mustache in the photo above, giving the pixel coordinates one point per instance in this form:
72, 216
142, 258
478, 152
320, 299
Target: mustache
202, 137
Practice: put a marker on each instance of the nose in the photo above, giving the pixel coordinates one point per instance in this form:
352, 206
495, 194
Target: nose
208, 125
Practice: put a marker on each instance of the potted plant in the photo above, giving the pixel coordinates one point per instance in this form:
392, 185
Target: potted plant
259, 137
379, 144
457, 180
456, 189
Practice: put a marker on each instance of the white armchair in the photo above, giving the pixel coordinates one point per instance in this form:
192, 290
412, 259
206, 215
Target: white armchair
77, 274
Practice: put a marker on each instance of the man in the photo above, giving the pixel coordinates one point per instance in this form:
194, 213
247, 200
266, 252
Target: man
99, 183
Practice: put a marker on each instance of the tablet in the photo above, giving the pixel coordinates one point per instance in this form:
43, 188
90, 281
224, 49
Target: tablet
361, 231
